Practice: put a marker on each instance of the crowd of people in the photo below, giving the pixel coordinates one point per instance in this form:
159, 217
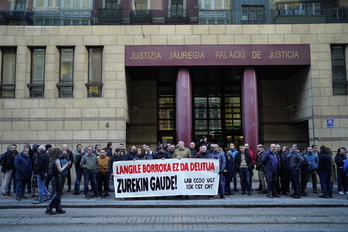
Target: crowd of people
34, 168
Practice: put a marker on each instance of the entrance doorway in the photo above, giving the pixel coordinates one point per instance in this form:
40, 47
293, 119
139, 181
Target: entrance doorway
216, 104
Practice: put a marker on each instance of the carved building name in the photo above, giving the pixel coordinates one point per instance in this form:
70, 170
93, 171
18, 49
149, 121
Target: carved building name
196, 55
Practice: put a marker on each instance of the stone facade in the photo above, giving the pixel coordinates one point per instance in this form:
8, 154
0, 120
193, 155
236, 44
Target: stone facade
111, 118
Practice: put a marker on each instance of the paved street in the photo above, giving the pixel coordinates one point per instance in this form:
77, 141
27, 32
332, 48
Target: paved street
177, 219
234, 213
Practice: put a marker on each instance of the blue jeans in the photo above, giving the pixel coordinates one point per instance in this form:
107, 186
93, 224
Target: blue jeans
41, 188
271, 178
234, 178
79, 174
295, 175
325, 182
244, 175
20, 187
90, 177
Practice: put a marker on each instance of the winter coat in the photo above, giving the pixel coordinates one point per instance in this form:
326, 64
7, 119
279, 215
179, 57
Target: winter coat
295, 160
339, 160
41, 165
8, 161
324, 163
229, 167
238, 160
89, 162
221, 157
270, 161
23, 167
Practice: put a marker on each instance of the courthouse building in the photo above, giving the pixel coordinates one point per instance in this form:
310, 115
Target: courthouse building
145, 71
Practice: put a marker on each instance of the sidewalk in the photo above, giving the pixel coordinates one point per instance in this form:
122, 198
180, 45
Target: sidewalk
235, 201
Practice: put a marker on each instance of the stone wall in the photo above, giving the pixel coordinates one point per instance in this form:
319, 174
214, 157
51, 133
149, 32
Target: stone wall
84, 120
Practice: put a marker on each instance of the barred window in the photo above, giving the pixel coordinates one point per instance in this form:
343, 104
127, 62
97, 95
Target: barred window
37, 73
8, 72
95, 84
66, 73
339, 69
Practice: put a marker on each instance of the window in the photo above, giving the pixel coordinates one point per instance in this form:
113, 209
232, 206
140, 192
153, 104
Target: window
37, 73
286, 9
214, 4
177, 8
299, 9
166, 113
140, 5
339, 14
112, 4
45, 3
66, 72
8, 73
252, 13
339, 71
20, 5
313, 8
76, 4
94, 85
215, 12
39, 3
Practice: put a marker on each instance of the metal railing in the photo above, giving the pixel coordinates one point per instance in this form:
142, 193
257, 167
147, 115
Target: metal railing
193, 16
139, 16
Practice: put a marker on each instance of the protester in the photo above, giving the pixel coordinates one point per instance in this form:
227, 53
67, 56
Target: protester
23, 173
55, 170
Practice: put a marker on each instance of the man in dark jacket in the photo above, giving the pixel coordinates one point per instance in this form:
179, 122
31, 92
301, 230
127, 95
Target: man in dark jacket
70, 156
342, 184
244, 165
79, 170
229, 171
284, 172
271, 163
171, 150
259, 168
40, 169
324, 172
23, 172
117, 156
203, 153
295, 164
132, 154
161, 154
7, 163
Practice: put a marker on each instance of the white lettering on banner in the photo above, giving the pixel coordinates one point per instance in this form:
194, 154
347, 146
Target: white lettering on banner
147, 178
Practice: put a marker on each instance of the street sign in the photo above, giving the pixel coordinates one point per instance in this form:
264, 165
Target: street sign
330, 123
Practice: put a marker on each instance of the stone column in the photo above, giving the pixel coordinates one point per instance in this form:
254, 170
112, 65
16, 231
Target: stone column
183, 107
250, 109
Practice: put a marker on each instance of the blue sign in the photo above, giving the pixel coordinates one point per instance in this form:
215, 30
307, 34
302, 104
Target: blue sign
330, 122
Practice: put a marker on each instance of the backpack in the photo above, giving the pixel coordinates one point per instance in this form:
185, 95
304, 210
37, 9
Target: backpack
3, 159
